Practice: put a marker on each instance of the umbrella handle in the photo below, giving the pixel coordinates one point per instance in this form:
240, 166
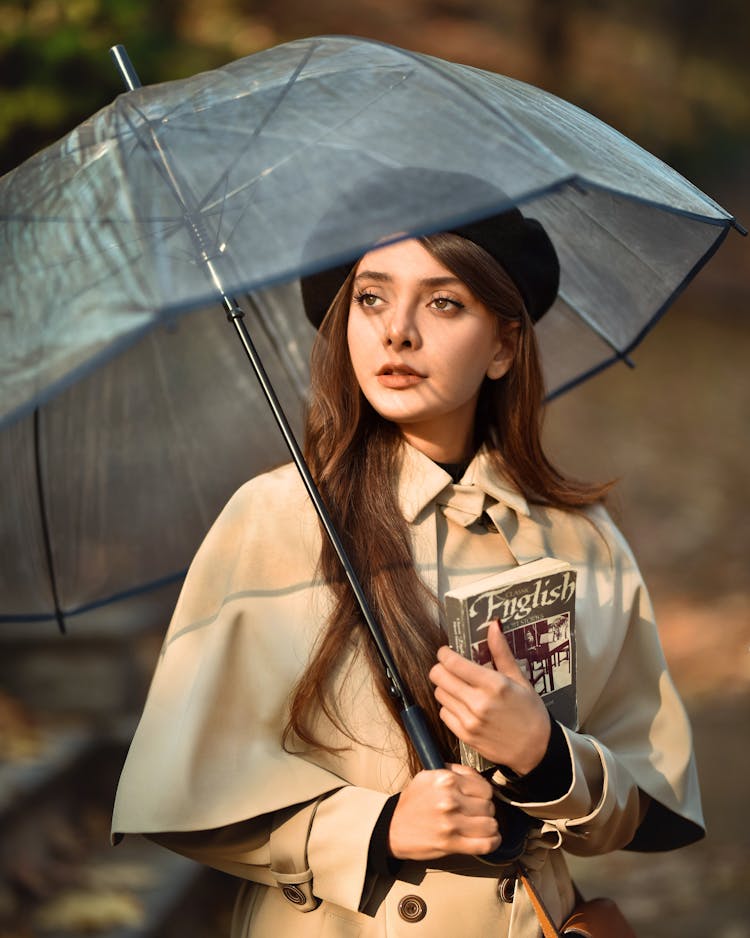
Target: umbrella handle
422, 739
513, 822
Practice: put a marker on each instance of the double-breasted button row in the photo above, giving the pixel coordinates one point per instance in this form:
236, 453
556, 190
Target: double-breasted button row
412, 908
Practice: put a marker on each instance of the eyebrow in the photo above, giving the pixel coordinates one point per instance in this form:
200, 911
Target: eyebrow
387, 278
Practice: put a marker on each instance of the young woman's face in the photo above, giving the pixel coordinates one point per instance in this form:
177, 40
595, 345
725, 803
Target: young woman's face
421, 344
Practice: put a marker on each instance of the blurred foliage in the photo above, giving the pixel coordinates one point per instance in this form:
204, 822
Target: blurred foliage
673, 74
56, 67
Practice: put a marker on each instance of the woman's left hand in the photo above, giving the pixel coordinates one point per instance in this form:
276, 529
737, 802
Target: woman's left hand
497, 711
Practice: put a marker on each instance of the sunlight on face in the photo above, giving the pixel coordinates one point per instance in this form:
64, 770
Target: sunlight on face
421, 345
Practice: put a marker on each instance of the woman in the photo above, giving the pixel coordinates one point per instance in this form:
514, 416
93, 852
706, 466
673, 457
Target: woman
269, 746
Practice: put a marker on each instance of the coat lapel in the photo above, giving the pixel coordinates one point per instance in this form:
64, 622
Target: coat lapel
422, 484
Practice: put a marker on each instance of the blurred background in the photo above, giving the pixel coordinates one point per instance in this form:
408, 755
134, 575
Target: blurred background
674, 76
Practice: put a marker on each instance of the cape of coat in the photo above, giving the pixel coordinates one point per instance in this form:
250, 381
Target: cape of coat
207, 774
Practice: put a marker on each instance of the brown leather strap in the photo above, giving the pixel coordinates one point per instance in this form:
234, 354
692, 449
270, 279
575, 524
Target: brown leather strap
597, 918
548, 926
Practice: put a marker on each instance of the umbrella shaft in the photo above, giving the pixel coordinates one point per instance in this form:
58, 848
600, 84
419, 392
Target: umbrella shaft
125, 67
236, 317
412, 715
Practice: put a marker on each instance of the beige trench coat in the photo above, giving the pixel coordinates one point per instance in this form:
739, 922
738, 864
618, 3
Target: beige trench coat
207, 776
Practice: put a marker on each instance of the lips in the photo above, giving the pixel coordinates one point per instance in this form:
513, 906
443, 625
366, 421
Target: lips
398, 377
395, 368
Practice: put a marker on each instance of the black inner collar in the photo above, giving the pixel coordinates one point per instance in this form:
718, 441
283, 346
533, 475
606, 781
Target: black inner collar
456, 469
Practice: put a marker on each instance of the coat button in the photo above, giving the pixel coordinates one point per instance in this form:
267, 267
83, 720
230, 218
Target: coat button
412, 908
294, 894
506, 889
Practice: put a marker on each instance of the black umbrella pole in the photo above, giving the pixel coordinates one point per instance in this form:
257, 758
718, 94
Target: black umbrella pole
412, 716
125, 67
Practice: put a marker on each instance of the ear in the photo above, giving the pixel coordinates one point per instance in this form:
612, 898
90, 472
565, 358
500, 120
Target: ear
505, 351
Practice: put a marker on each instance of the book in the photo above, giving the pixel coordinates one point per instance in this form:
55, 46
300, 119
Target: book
535, 606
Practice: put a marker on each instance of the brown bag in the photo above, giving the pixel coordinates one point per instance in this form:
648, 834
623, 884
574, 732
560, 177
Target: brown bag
593, 918
597, 918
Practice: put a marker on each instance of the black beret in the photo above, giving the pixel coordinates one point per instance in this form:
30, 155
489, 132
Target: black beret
520, 245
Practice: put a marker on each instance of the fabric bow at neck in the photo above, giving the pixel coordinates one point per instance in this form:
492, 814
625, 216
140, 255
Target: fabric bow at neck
463, 504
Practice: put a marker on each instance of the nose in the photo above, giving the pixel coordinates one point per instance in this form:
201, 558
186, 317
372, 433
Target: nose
401, 328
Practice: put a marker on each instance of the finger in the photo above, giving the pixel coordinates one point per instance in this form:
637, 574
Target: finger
458, 768
476, 807
502, 656
471, 783
449, 687
470, 715
457, 726
457, 716
458, 804
476, 838
479, 847
451, 662
471, 827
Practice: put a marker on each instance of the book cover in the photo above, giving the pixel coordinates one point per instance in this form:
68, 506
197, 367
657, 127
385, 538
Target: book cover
535, 606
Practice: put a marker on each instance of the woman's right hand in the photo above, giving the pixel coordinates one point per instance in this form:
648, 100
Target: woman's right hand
444, 811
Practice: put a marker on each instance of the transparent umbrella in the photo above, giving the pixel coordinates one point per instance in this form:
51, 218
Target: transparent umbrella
116, 453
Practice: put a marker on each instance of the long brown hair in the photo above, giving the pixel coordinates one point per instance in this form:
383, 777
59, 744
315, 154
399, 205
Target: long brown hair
353, 454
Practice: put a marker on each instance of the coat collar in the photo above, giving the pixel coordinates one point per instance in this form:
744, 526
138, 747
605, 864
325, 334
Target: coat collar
421, 481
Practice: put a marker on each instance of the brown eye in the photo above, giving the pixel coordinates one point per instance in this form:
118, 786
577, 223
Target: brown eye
368, 300
446, 304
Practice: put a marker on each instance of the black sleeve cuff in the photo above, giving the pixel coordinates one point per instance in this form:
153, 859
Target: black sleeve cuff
551, 779
379, 861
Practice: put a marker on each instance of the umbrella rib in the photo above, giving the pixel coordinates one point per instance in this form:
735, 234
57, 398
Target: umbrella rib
282, 92
147, 587
273, 108
188, 463
44, 523
224, 177
113, 251
206, 211
311, 143
620, 354
435, 67
700, 263
625, 353
164, 166
496, 111
593, 220
725, 220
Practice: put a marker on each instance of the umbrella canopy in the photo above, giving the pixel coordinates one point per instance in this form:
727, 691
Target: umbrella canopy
109, 487
98, 236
